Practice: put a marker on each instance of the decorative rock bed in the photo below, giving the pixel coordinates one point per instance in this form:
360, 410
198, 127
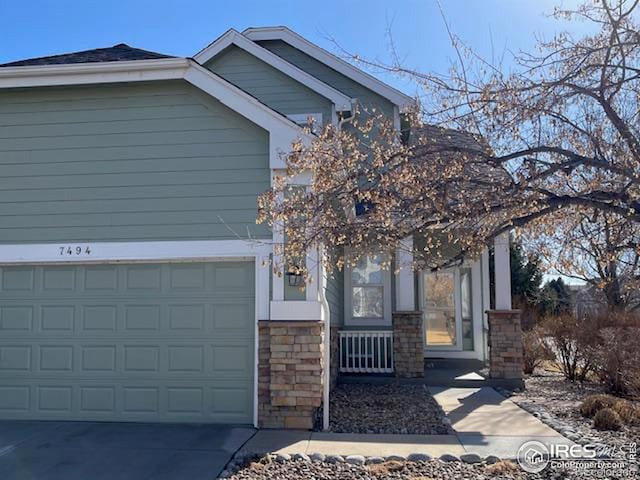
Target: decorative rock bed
556, 403
394, 408
416, 467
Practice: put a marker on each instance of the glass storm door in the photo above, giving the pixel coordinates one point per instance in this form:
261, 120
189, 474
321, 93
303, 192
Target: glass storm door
440, 301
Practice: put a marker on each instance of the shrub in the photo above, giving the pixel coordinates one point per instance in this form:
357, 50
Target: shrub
503, 467
607, 419
634, 383
628, 412
594, 403
619, 360
385, 468
575, 342
535, 350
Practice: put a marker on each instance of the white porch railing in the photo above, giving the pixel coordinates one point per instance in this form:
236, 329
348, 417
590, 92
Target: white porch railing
366, 351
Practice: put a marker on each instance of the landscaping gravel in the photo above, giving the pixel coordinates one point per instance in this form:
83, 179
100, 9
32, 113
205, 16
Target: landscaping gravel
266, 469
393, 408
556, 402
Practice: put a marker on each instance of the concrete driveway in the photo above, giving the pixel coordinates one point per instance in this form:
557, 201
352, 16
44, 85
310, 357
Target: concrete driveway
88, 450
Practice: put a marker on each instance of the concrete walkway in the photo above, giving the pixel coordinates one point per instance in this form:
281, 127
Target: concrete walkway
487, 423
288, 441
484, 421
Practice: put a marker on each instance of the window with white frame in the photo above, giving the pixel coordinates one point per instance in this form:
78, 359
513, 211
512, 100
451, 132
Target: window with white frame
368, 292
312, 121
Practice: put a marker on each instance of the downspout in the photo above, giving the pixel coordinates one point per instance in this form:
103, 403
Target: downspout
326, 316
325, 311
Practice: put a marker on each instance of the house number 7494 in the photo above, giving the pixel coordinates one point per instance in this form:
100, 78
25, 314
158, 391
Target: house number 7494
74, 250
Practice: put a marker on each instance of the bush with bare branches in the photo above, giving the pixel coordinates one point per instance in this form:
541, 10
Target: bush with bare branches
575, 344
619, 360
535, 349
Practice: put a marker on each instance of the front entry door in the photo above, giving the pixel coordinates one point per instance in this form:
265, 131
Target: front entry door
440, 300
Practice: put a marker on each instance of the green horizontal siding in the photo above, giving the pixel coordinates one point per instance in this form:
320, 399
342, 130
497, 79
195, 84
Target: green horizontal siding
269, 85
151, 161
367, 98
335, 297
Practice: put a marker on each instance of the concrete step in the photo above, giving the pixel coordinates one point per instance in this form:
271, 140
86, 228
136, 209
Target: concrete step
455, 363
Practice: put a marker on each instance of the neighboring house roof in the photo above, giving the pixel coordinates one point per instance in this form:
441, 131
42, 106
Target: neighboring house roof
404, 102
282, 131
117, 53
445, 137
432, 140
341, 101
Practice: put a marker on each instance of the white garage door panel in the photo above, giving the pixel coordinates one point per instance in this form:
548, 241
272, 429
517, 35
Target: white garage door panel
170, 342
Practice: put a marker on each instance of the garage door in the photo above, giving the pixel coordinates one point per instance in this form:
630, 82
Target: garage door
139, 342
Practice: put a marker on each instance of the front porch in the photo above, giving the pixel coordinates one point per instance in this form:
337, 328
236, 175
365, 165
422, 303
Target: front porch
377, 321
438, 372
361, 356
447, 327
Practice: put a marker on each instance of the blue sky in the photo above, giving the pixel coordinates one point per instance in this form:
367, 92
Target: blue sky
31, 28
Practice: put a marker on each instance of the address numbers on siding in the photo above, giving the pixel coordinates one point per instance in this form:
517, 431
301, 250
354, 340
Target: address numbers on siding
74, 250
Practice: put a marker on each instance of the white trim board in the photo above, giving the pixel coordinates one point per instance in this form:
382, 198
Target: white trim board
302, 119
76, 252
282, 131
286, 35
341, 101
293, 310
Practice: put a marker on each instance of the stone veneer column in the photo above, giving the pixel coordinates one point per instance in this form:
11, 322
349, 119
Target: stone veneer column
290, 366
264, 374
505, 346
408, 347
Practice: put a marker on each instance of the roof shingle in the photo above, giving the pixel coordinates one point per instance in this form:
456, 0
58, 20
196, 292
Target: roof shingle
117, 53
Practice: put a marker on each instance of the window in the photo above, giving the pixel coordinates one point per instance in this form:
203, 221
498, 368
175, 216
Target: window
313, 121
363, 207
368, 292
466, 309
367, 289
448, 309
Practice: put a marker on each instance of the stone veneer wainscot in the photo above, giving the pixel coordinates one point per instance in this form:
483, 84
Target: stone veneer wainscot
408, 347
290, 373
505, 346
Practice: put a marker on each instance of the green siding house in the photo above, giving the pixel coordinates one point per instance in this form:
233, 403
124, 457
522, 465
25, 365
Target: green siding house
134, 282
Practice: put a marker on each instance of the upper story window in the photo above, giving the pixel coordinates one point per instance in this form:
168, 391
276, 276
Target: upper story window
312, 121
363, 207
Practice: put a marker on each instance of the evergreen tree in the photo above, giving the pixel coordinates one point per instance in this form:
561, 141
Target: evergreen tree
526, 275
554, 298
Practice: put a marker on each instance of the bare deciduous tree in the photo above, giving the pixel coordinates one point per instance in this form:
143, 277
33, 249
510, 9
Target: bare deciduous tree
599, 249
557, 137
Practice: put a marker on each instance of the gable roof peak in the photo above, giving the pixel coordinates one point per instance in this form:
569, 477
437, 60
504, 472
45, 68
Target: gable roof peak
341, 101
402, 101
